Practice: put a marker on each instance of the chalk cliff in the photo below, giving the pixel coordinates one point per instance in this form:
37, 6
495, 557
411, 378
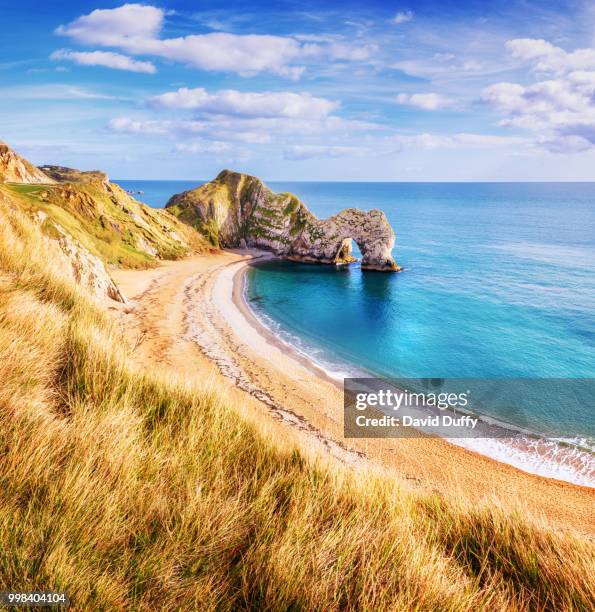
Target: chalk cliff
237, 209
87, 269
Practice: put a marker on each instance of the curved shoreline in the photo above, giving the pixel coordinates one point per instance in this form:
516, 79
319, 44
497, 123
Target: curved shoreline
182, 318
239, 300
502, 453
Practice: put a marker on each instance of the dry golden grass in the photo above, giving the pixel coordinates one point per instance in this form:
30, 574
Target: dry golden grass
133, 492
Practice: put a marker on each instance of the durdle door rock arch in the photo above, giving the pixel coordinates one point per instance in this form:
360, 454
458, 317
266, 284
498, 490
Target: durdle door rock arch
236, 209
329, 240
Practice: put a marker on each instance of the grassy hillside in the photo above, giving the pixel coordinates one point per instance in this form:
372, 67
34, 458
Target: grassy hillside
108, 222
130, 491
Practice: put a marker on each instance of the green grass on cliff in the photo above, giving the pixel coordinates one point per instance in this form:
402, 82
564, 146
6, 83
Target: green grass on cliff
107, 223
209, 229
132, 491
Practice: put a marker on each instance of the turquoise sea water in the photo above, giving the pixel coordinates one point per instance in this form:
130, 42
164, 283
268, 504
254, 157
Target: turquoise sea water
499, 281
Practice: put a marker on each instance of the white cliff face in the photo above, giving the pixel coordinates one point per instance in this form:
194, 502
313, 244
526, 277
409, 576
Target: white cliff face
15, 169
237, 209
87, 269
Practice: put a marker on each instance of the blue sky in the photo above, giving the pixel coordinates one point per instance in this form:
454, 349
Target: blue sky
413, 91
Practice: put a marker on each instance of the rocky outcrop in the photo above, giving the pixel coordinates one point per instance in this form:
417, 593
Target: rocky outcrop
15, 169
329, 240
237, 209
87, 269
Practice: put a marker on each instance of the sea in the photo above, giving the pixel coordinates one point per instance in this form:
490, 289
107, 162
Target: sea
498, 284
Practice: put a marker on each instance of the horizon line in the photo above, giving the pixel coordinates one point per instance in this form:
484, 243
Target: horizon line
430, 182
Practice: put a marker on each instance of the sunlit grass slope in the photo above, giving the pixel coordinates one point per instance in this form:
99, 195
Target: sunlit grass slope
130, 491
109, 223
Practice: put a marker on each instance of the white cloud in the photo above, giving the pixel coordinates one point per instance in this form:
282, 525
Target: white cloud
247, 104
52, 92
136, 28
566, 144
243, 129
445, 66
551, 59
426, 101
107, 59
403, 17
203, 147
302, 152
342, 51
461, 140
236, 116
125, 124
444, 57
109, 27
559, 110
220, 129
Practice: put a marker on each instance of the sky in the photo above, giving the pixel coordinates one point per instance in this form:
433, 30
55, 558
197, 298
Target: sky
441, 90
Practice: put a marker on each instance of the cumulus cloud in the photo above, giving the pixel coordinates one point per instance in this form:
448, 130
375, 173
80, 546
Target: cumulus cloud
549, 58
238, 116
107, 59
560, 110
403, 17
247, 104
426, 101
136, 29
109, 27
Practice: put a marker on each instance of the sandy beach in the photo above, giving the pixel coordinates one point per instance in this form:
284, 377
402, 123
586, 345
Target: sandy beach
189, 317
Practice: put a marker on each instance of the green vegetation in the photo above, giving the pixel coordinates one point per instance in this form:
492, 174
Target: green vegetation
71, 175
209, 230
26, 189
292, 205
108, 222
136, 491
297, 222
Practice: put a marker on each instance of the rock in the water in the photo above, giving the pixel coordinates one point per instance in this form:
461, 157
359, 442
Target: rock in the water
15, 169
236, 207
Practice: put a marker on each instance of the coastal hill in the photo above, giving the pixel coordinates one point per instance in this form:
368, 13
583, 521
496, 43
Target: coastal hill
61, 174
237, 209
93, 221
15, 169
